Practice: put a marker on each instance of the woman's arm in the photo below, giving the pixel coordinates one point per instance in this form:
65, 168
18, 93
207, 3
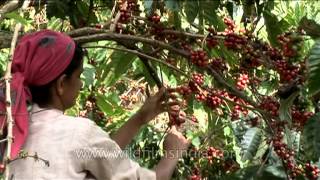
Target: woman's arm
152, 107
175, 146
126, 133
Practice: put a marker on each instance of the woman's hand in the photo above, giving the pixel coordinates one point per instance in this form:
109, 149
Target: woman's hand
175, 143
164, 100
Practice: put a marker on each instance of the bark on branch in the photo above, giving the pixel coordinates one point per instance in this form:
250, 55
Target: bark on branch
9, 7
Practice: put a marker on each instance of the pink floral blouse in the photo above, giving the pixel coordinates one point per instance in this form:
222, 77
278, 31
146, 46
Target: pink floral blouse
76, 148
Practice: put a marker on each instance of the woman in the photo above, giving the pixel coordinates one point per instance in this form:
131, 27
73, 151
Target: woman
46, 71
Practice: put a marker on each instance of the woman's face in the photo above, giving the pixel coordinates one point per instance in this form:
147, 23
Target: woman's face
72, 87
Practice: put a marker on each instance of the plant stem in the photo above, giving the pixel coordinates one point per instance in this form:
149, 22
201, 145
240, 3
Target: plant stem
7, 78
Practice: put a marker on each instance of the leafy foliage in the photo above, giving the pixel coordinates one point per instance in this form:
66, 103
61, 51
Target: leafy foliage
250, 143
311, 138
314, 66
239, 66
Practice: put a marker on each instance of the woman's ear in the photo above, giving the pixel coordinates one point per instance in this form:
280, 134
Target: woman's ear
60, 85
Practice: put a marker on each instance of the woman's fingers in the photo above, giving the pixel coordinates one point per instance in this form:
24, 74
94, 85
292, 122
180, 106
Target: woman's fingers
170, 106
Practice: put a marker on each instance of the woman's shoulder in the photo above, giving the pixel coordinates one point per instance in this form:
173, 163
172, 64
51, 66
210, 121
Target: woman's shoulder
83, 128
80, 122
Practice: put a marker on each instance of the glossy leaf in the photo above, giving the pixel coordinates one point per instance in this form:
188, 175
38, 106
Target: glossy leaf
250, 143
191, 9
314, 69
311, 137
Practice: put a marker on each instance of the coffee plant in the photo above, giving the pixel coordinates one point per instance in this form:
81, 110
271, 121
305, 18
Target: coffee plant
247, 72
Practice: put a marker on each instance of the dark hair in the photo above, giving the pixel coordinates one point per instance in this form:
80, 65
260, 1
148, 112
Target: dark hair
41, 94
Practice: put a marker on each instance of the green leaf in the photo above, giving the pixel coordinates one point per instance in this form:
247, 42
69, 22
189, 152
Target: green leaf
104, 105
311, 138
148, 6
210, 14
55, 24
120, 63
191, 9
239, 130
274, 172
196, 142
58, 8
15, 16
314, 69
273, 26
172, 4
250, 143
311, 27
229, 7
285, 106
88, 75
295, 138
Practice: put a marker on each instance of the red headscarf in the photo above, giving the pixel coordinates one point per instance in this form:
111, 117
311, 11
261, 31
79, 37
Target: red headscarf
38, 59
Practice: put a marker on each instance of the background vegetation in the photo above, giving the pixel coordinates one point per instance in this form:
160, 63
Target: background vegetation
247, 71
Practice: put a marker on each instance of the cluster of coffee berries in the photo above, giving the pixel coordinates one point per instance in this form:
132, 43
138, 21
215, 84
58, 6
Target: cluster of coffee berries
90, 105
271, 105
238, 109
198, 78
291, 43
218, 64
126, 9
91, 110
199, 58
287, 72
126, 100
230, 25
234, 41
157, 28
214, 154
283, 152
312, 172
195, 175
300, 118
155, 18
200, 97
132, 4
186, 46
213, 99
184, 90
242, 81
273, 53
281, 148
124, 15
251, 57
193, 86
211, 40
133, 96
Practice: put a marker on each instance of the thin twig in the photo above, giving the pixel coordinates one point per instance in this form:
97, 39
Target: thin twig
114, 8
266, 159
8, 7
131, 38
86, 31
117, 17
3, 140
35, 157
141, 54
7, 78
230, 88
